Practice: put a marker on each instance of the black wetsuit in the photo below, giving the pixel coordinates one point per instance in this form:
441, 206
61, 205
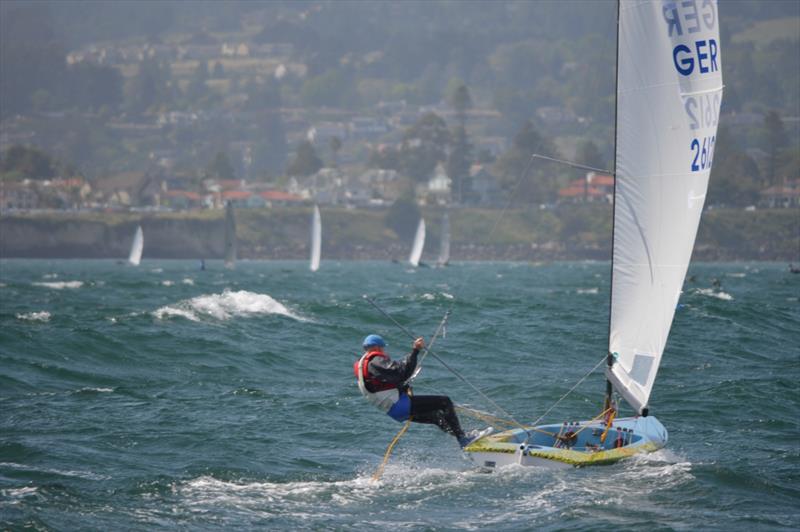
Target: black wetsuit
432, 409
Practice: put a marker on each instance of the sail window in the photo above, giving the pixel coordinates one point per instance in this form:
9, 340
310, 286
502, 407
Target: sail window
642, 364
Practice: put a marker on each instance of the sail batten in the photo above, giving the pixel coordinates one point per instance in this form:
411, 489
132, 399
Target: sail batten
668, 98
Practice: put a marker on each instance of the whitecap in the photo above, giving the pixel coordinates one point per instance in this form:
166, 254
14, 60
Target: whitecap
737, 275
157, 270
60, 285
427, 297
50, 276
11, 494
35, 316
188, 281
88, 389
167, 283
711, 293
63, 472
226, 305
588, 290
446, 295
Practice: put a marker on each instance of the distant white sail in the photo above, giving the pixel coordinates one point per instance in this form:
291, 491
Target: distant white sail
316, 239
444, 251
230, 236
135, 256
419, 243
669, 94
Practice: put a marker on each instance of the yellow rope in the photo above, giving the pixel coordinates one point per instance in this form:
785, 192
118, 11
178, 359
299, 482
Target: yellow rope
379, 471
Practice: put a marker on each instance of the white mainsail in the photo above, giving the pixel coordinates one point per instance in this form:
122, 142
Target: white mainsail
668, 99
419, 243
135, 256
444, 250
316, 239
230, 236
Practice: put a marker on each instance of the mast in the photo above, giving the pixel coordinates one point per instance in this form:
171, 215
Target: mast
609, 355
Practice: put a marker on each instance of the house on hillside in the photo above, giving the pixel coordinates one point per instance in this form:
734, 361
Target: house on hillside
320, 134
782, 196
242, 198
278, 197
17, 195
437, 190
182, 199
591, 189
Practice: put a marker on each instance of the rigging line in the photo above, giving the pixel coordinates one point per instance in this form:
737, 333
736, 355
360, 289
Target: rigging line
443, 363
438, 330
602, 360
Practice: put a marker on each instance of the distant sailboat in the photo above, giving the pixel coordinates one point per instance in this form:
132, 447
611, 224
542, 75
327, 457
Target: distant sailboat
419, 243
230, 236
135, 256
316, 239
444, 247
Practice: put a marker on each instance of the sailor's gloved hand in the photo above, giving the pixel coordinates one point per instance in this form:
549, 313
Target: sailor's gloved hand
419, 343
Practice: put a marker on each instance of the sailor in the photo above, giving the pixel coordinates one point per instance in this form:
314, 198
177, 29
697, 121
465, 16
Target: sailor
383, 382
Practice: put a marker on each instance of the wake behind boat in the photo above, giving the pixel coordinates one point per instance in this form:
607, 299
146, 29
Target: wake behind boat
664, 151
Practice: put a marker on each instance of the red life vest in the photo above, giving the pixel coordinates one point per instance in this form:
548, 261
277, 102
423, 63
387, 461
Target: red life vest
373, 384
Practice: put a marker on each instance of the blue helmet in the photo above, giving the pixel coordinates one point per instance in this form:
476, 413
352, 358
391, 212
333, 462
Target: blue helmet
373, 340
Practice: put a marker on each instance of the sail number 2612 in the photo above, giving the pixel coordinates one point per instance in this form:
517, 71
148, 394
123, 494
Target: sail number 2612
703, 151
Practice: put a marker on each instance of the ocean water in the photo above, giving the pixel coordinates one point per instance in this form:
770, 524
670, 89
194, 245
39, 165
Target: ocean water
164, 397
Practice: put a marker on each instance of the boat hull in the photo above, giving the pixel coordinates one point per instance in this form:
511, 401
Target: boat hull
539, 446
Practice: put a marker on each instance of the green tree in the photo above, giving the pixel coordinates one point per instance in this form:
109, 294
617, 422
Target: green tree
527, 180
424, 146
197, 88
386, 158
29, 163
776, 140
461, 101
335, 145
219, 71
588, 154
402, 217
306, 162
149, 88
220, 167
735, 177
459, 162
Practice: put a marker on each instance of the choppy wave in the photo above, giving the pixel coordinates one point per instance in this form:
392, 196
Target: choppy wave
34, 316
60, 285
226, 305
711, 293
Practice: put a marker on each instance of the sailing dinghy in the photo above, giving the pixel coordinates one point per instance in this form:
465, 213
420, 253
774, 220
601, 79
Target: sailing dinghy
316, 239
135, 256
419, 243
230, 237
669, 89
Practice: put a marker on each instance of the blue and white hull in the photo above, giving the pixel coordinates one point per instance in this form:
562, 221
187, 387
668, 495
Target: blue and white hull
551, 446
